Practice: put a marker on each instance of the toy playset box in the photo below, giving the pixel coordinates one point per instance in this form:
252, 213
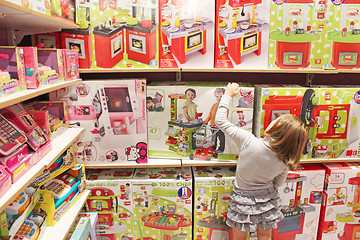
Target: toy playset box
111, 197
114, 114
163, 203
93, 216
299, 34
103, 27
53, 63
339, 218
212, 189
242, 34
42, 6
182, 120
186, 34
301, 198
330, 114
84, 227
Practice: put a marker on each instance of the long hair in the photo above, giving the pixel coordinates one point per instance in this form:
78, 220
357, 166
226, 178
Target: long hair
289, 136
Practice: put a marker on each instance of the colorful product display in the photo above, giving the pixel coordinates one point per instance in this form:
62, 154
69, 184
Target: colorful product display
301, 197
114, 116
242, 34
186, 34
111, 197
182, 120
54, 59
212, 189
331, 115
63, 9
163, 203
339, 216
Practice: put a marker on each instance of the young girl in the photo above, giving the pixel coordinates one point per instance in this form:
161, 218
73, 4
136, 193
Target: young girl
262, 167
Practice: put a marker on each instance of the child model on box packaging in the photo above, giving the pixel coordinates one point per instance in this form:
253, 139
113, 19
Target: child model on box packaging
262, 167
189, 107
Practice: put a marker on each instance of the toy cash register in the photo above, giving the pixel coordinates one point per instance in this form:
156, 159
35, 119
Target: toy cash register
10, 137
64, 187
17, 207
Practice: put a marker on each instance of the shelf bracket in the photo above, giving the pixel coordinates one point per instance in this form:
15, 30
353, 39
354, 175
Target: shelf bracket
308, 79
178, 76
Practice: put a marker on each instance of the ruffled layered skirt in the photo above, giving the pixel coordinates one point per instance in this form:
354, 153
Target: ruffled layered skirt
249, 209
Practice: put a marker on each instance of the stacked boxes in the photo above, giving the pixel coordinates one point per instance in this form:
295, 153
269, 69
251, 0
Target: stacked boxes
199, 138
212, 189
111, 197
163, 205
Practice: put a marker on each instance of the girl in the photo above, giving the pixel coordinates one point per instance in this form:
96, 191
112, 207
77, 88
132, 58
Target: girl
262, 167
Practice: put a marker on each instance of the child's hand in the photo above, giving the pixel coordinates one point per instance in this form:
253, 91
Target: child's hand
232, 89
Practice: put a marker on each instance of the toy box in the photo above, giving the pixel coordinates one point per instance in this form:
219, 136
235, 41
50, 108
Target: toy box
298, 31
163, 203
114, 114
242, 34
4, 230
32, 228
80, 230
199, 138
5, 181
301, 198
39, 6
31, 67
54, 59
212, 189
12, 60
56, 201
104, 26
111, 197
63, 9
93, 216
330, 115
186, 34
71, 64
339, 212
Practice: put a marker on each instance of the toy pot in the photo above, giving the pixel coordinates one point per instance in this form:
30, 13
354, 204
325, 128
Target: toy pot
244, 25
146, 23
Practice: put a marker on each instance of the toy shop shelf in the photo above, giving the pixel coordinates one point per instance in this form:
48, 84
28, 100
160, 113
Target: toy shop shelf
59, 145
26, 21
31, 93
262, 70
152, 163
319, 160
120, 70
212, 162
61, 228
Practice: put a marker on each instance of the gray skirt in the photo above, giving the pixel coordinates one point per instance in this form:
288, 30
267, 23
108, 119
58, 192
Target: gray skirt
249, 209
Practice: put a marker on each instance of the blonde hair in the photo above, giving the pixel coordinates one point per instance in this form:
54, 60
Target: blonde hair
289, 136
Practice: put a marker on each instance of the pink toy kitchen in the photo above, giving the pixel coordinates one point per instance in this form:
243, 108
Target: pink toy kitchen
239, 31
186, 30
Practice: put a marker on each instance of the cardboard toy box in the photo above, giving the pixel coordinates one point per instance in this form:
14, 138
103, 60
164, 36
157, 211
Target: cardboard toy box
111, 197
339, 216
54, 59
298, 34
114, 116
103, 27
330, 114
163, 203
242, 34
301, 198
212, 189
186, 34
171, 135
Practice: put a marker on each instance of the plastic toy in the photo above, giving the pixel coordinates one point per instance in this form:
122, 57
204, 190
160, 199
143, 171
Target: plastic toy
5, 181
14, 134
17, 208
31, 67
12, 60
71, 64
56, 62
63, 8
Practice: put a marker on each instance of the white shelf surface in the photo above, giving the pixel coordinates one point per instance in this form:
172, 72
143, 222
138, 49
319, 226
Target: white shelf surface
62, 227
59, 145
152, 163
31, 93
212, 162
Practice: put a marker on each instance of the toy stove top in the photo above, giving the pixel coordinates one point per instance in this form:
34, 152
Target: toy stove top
108, 31
288, 211
213, 222
139, 28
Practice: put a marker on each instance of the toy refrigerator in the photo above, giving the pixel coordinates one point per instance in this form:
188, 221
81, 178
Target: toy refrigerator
212, 189
173, 135
163, 203
111, 197
186, 34
114, 117
339, 218
242, 34
331, 115
301, 198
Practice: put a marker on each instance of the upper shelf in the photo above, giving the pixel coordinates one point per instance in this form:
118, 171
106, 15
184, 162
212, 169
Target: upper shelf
31, 93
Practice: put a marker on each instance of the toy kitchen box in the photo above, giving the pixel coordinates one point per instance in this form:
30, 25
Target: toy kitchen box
331, 116
301, 198
111, 197
298, 34
104, 26
173, 135
186, 34
114, 114
242, 34
339, 218
212, 189
163, 203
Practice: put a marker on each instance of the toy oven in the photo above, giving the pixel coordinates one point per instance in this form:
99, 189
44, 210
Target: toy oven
194, 41
289, 227
249, 43
137, 43
141, 43
101, 200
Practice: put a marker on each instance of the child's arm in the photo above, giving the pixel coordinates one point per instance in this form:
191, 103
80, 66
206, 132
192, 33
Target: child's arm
281, 178
239, 135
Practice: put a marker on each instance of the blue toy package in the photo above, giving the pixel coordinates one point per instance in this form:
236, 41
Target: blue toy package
93, 221
81, 229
